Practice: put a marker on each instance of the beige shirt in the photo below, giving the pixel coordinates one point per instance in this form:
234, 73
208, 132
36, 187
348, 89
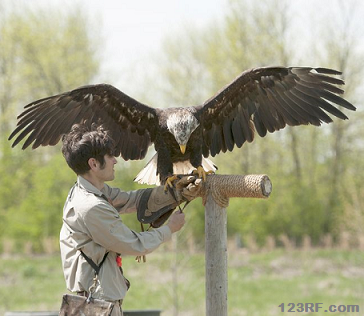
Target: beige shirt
93, 225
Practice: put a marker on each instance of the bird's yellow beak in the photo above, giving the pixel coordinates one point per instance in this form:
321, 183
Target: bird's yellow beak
183, 148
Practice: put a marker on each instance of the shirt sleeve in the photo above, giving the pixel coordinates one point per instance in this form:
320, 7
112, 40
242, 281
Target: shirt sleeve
107, 229
123, 201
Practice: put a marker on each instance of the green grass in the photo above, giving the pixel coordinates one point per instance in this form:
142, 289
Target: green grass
258, 283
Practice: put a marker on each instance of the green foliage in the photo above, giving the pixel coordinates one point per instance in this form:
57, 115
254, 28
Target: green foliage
39, 213
43, 52
316, 172
55, 48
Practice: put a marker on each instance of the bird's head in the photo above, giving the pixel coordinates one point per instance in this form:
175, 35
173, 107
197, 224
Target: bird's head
181, 123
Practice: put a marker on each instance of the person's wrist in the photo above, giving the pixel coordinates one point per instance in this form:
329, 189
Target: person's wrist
171, 227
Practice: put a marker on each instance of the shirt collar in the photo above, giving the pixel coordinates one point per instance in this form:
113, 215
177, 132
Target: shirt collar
88, 186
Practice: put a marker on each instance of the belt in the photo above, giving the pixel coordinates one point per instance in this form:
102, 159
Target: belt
85, 294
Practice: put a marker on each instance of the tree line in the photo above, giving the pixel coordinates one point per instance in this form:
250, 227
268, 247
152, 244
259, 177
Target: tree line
316, 172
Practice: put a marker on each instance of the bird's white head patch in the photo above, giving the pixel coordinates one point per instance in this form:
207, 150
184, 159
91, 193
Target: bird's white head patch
181, 124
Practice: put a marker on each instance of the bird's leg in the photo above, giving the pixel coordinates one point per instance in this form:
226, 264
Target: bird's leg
165, 167
169, 182
196, 161
202, 173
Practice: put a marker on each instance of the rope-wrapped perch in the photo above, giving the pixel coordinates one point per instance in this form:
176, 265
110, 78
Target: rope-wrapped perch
223, 187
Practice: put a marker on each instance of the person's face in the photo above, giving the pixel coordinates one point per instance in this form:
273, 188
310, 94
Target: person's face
107, 172
99, 174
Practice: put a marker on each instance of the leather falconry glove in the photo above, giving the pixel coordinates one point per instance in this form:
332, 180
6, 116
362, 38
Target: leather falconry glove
156, 205
188, 188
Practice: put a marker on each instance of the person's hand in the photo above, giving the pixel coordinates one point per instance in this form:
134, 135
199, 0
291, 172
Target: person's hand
187, 188
176, 221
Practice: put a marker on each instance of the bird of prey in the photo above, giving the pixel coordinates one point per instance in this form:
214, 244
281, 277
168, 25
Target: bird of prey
263, 99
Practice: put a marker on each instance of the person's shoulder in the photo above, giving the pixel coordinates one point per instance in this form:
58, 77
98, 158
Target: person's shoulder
86, 201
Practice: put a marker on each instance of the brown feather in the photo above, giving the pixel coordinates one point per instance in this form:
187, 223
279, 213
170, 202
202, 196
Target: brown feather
44, 121
271, 98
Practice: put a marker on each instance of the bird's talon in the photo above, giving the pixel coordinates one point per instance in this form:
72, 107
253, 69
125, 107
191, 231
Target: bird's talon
200, 171
169, 182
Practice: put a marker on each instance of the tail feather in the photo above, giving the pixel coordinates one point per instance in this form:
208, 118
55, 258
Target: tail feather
148, 175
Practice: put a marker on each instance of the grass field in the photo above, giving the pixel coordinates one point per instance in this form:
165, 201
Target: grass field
258, 283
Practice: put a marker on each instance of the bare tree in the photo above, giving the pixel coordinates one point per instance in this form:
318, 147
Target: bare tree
342, 52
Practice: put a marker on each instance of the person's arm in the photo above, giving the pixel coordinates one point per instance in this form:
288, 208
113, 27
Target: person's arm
123, 201
185, 189
107, 229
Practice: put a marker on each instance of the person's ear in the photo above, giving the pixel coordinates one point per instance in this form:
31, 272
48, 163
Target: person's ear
93, 163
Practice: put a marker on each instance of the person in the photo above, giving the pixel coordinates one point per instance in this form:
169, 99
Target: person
91, 217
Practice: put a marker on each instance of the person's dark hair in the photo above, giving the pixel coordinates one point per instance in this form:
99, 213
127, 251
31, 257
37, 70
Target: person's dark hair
83, 143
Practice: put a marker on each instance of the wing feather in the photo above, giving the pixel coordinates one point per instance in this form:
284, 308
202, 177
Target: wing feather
32, 124
310, 113
132, 124
228, 136
237, 131
292, 115
269, 99
259, 126
52, 132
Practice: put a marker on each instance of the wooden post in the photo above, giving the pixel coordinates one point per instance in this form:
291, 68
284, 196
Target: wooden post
215, 258
216, 193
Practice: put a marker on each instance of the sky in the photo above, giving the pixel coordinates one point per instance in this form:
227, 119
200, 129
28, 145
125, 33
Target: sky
133, 30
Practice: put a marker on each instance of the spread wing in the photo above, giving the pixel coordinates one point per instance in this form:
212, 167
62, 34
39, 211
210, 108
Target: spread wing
132, 124
268, 99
